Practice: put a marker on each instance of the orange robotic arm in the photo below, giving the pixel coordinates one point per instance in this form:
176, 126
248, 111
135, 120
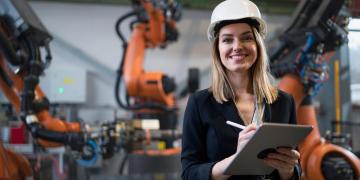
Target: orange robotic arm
314, 149
315, 35
45, 119
13, 166
152, 28
22, 35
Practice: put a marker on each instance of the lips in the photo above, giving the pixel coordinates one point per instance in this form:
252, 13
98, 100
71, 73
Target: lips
237, 57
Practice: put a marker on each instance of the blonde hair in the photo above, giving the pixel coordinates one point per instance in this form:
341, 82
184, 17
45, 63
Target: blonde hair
260, 72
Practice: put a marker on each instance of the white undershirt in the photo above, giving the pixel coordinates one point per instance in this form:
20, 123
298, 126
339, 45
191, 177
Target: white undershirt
258, 113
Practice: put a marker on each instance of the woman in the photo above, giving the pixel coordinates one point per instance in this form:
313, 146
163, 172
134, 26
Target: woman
241, 92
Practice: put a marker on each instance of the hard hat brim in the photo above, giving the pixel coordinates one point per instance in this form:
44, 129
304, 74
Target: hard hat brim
211, 32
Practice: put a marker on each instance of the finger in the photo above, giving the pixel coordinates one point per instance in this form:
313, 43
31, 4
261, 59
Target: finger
249, 128
284, 158
246, 136
278, 164
253, 125
292, 153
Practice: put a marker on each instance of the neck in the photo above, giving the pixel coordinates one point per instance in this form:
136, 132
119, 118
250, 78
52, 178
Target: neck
241, 83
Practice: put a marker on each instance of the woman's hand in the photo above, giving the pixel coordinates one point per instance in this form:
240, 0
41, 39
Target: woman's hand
245, 135
219, 167
284, 161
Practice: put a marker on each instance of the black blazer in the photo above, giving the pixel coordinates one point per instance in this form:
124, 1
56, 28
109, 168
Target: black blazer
207, 139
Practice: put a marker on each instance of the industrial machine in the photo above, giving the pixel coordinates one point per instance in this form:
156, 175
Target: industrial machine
22, 35
318, 30
300, 60
150, 94
23, 40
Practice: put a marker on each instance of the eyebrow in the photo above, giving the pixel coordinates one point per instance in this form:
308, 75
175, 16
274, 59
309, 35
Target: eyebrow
244, 33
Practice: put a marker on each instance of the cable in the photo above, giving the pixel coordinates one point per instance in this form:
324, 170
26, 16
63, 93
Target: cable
92, 148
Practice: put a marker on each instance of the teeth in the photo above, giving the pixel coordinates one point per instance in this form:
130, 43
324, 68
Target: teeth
237, 57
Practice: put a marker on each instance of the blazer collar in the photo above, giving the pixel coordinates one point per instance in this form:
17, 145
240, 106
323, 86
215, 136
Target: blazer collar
228, 111
267, 113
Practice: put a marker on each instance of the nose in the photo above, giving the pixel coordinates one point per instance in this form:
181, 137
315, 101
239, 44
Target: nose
238, 46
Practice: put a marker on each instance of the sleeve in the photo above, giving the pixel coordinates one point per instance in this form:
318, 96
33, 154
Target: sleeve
193, 156
292, 106
297, 168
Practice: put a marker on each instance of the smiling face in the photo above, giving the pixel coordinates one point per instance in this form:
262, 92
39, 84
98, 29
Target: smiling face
237, 47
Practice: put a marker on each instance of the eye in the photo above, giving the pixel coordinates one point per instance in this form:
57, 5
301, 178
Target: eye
227, 40
247, 38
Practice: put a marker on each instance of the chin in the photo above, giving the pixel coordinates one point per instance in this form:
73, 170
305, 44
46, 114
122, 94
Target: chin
242, 69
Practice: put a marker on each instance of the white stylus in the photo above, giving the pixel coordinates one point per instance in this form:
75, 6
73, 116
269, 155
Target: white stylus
235, 124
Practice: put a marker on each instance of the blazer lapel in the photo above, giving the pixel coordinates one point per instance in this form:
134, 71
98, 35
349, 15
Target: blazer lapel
229, 113
267, 113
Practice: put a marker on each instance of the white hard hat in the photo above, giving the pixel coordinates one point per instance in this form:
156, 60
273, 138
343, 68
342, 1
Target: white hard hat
235, 10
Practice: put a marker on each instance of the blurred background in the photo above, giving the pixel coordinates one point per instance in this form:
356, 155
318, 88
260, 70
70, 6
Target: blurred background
81, 82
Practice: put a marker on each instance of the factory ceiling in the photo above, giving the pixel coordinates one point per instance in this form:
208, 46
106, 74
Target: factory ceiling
285, 7
268, 6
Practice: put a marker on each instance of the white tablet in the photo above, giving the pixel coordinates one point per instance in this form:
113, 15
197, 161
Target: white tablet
269, 136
